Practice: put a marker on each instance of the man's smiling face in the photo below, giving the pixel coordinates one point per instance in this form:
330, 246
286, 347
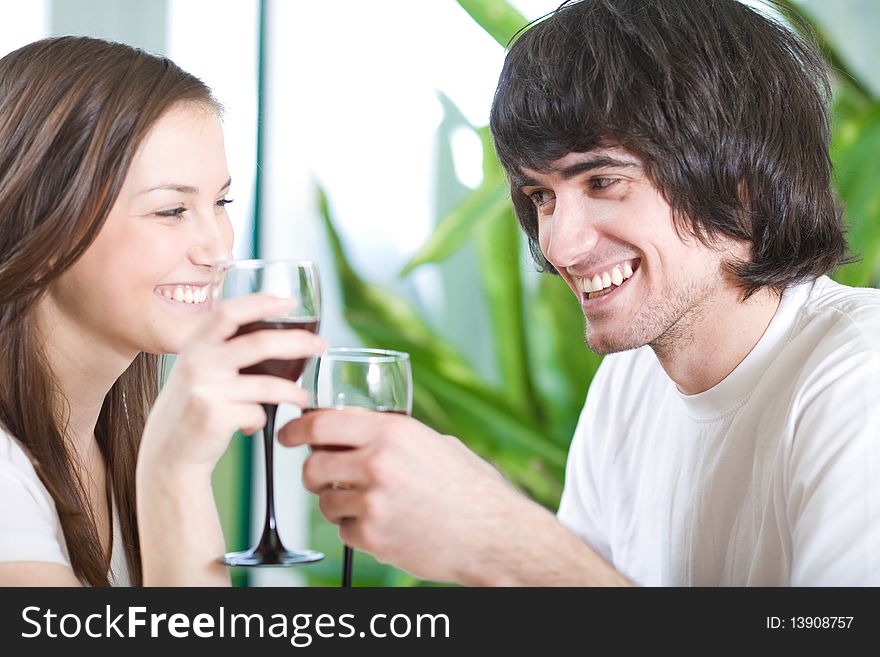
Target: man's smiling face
609, 232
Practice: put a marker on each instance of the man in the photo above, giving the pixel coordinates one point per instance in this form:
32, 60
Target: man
669, 160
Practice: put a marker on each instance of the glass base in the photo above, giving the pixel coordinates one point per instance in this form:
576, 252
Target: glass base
257, 557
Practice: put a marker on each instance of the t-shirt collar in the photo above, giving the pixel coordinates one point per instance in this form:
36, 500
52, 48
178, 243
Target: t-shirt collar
736, 386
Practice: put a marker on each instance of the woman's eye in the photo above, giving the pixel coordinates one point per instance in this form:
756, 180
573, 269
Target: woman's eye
602, 183
173, 213
223, 202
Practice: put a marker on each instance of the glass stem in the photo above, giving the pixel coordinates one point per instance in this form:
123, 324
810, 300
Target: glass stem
270, 540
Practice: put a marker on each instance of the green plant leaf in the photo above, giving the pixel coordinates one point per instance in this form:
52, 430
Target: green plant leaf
458, 401
561, 365
520, 450
500, 20
839, 67
452, 231
857, 172
497, 240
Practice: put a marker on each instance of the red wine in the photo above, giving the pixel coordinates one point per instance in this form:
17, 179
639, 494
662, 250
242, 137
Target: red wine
375, 410
345, 448
287, 369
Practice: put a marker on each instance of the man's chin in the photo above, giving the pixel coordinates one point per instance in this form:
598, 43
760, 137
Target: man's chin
603, 345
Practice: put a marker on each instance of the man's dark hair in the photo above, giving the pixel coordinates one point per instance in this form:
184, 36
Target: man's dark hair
727, 108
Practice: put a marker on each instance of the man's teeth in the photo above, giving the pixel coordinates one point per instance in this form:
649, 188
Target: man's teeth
606, 279
186, 294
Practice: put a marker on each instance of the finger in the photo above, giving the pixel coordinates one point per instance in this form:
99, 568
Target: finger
228, 315
349, 427
322, 468
250, 418
335, 505
253, 348
266, 389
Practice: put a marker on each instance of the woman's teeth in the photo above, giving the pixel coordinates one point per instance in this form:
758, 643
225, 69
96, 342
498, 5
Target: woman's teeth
603, 281
185, 293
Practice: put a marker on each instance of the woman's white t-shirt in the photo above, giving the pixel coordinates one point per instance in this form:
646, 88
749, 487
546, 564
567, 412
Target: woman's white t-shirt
30, 529
771, 477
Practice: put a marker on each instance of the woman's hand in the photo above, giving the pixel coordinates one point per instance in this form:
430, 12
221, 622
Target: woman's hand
203, 403
206, 400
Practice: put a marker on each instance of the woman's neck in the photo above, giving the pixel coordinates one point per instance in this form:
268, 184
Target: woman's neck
84, 367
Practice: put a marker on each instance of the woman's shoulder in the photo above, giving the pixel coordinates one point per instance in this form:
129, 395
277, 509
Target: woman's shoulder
14, 458
30, 529
18, 477
19, 482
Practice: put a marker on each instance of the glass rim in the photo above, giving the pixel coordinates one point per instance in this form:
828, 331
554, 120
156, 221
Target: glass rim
364, 354
254, 263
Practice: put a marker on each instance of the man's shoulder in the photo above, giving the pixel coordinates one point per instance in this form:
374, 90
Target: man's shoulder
828, 293
833, 352
836, 313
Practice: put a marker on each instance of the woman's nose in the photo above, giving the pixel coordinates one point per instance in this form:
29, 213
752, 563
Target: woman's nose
211, 245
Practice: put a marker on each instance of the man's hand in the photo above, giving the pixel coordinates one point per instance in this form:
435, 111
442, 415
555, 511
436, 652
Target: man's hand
419, 500
425, 503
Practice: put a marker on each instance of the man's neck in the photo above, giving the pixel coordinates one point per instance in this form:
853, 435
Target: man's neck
84, 369
712, 341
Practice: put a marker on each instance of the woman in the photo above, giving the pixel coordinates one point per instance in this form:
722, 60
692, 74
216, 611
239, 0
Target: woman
113, 184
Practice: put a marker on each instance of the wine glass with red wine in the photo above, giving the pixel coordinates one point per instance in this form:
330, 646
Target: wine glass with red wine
297, 280
375, 379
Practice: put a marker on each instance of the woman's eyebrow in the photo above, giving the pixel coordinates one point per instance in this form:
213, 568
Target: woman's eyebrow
183, 189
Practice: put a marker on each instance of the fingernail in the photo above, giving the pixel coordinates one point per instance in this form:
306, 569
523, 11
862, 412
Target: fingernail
281, 302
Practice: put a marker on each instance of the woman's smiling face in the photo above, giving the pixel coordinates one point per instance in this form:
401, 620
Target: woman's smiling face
140, 286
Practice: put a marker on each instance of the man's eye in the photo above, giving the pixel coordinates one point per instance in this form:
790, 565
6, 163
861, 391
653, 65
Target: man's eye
602, 183
541, 197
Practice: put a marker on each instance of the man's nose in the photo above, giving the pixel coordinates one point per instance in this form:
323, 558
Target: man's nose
571, 233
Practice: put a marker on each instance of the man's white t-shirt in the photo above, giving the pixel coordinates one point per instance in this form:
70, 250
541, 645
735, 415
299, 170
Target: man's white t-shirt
30, 529
771, 477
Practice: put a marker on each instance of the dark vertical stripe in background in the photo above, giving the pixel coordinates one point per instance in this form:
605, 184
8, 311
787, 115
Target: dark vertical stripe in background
246, 445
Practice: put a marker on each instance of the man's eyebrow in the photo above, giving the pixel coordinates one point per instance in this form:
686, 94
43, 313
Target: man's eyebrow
577, 168
520, 180
597, 162
183, 189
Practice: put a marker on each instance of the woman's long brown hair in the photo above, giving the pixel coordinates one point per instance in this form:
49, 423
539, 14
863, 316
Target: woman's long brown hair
73, 111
